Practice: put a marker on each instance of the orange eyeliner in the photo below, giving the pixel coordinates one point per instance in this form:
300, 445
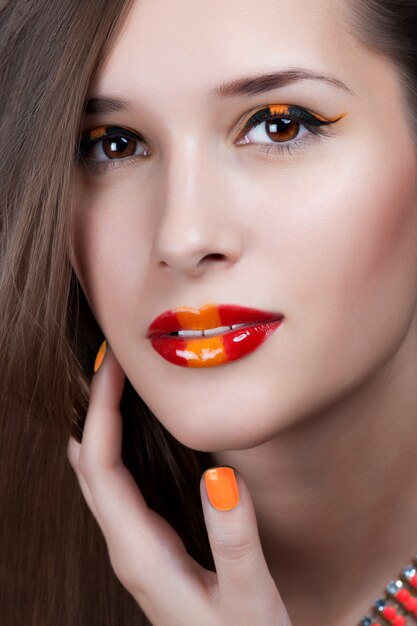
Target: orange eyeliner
285, 109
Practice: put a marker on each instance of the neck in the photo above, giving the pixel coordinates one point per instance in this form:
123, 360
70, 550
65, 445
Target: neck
336, 497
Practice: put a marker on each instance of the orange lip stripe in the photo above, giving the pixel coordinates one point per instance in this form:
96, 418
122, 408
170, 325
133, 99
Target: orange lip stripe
208, 351
203, 319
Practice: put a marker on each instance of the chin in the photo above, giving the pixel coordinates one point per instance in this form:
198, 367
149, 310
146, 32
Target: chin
216, 426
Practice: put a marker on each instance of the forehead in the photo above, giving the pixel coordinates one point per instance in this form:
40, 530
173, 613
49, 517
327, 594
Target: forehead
168, 53
186, 45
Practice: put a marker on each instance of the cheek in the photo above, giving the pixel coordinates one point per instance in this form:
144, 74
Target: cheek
374, 248
357, 273
110, 248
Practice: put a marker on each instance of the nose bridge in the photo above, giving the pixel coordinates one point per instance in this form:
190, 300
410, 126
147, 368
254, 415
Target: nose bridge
194, 222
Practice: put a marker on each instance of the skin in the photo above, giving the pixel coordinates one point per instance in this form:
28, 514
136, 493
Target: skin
320, 420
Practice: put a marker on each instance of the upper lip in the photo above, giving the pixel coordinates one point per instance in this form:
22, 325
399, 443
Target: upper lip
202, 319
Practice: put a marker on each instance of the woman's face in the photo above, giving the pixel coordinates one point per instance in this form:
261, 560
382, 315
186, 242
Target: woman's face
321, 228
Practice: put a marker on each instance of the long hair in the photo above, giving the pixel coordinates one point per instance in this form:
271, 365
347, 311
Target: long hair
54, 565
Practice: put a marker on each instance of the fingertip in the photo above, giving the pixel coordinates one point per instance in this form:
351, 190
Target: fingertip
73, 451
103, 422
221, 487
100, 356
107, 367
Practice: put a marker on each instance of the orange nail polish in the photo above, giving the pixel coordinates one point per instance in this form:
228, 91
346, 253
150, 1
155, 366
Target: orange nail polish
222, 488
100, 356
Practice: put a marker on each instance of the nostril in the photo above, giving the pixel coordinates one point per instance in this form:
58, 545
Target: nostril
216, 256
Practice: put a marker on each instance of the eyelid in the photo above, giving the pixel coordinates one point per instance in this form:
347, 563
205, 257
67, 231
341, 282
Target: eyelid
90, 137
100, 131
306, 116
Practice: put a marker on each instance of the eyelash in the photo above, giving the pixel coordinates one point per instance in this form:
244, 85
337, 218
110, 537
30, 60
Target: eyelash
317, 128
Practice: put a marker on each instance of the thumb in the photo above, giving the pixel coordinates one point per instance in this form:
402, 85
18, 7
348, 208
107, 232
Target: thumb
244, 580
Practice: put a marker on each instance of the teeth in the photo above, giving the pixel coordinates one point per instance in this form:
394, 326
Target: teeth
216, 331
209, 332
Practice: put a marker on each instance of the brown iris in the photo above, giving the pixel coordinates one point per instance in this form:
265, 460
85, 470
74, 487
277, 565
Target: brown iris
281, 129
118, 147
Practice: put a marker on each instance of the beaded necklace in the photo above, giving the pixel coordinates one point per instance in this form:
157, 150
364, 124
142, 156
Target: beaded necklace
399, 602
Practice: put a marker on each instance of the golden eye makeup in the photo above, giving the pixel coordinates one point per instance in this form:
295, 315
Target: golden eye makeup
283, 122
119, 145
109, 138
284, 112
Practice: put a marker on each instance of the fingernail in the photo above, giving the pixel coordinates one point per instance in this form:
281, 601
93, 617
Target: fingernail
222, 488
100, 356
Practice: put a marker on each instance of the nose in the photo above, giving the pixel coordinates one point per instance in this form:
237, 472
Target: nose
197, 228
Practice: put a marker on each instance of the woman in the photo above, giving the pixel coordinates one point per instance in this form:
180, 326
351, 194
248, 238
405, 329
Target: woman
172, 171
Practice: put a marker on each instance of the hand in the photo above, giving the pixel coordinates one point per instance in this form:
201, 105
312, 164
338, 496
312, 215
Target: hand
147, 555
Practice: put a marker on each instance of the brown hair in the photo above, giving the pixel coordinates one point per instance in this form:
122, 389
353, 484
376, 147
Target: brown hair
54, 566
389, 27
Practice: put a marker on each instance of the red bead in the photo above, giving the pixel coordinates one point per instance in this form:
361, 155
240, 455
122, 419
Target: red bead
389, 612
403, 595
399, 621
413, 580
411, 604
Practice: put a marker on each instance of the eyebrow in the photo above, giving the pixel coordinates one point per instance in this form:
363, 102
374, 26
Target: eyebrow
253, 85
247, 86
105, 105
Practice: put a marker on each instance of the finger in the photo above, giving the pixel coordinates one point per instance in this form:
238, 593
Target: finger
146, 553
73, 454
245, 583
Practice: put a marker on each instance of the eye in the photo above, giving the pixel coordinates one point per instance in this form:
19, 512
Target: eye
281, 125
110, 146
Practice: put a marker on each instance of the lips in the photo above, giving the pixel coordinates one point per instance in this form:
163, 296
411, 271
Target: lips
205, 337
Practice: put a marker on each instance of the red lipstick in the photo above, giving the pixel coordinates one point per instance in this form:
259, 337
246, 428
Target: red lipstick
205, 337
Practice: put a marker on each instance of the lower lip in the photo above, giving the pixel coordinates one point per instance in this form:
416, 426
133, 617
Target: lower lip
215, 350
